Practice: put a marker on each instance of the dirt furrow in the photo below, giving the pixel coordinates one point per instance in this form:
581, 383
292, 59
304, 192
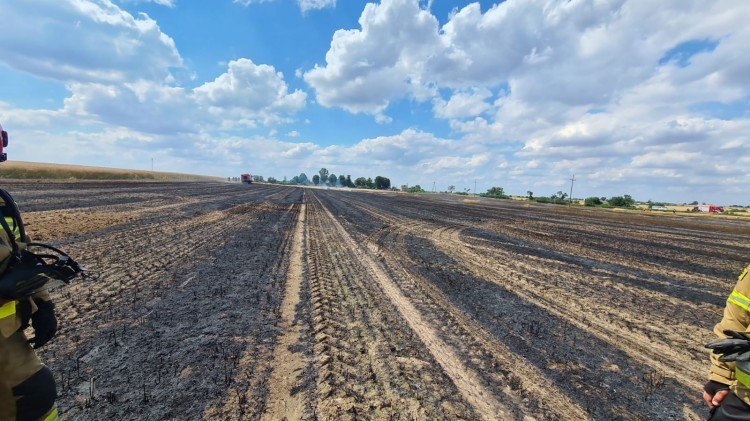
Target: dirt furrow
283, 402
518, 381
661, 359
368, 362
227, 301
149, 288
593, 292
465, 379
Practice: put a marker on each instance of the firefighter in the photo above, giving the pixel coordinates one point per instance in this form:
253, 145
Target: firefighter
727, 392
27, 387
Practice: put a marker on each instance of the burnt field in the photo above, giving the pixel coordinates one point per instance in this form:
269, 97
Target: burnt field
223, 301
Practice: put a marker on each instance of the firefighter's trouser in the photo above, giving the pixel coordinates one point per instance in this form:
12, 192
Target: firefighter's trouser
27, 388
732, 409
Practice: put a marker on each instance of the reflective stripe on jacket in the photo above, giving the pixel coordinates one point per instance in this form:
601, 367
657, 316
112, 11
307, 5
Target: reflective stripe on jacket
737, 318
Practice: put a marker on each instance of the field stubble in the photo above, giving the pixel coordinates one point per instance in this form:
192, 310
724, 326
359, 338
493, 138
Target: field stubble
217, 300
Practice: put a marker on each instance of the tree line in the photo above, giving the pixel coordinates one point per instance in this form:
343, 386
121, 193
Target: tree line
325, 178
561, 198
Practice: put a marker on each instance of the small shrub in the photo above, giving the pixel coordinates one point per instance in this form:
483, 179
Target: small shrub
592, 201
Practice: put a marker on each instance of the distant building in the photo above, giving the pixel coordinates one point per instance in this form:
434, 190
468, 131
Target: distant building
709, 208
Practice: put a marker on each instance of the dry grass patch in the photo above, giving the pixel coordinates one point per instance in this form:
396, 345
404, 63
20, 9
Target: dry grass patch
46, 171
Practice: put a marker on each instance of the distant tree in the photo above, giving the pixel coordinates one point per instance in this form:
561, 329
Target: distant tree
323, 174
332, 179
530, 194
404, 187
382, 183
451, 189
272, 180
370, 183
342, 180
592, 201
303, 178
621, 201
316, 179
496, 192
258, 178
413, 189
694, 202
295, 180
349, 182
360, 183
557, 198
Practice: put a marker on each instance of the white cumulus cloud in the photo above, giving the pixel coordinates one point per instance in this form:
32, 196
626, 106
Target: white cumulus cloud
582, 86
245, 96
84, 41
304, 5
462, 104
368, 67
167, 3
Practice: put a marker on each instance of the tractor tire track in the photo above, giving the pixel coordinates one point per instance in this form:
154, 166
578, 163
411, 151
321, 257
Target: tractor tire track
482, 400
288, 365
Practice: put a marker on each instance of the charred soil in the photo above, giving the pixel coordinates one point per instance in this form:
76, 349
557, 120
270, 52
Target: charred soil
225, 301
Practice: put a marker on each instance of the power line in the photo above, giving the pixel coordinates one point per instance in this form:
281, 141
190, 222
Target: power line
570, 198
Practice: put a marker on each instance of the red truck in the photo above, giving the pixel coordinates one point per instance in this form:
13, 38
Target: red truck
246, 178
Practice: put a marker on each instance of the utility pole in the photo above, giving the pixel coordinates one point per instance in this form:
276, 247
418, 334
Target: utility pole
433, 187
570, 198
152, 164
475, 187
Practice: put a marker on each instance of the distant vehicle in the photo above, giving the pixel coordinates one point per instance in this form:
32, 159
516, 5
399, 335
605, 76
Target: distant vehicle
708, 208
659, 208
246, 178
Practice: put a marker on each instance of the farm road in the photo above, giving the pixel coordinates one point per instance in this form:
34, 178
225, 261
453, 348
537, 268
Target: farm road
222, 301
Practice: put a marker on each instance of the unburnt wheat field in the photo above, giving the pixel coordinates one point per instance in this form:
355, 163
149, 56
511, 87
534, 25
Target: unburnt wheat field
225, 301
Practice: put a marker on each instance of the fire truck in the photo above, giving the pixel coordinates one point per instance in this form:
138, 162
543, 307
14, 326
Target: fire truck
246, 178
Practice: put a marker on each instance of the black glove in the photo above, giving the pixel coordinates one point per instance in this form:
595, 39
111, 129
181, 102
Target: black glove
735, 334
713, 386
44, 323
23, 309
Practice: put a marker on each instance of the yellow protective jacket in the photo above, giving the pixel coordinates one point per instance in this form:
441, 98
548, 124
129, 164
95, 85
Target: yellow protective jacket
737, 318
9, 319
18, 361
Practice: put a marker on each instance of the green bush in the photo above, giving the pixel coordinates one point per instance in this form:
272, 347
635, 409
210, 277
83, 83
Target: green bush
413, 189
621, 201
495, 192
592, 201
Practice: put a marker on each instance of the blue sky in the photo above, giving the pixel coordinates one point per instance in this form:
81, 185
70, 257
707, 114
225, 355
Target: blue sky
634, 98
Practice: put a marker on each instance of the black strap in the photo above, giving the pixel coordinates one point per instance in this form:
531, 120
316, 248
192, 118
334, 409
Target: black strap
11, 235
10, 209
